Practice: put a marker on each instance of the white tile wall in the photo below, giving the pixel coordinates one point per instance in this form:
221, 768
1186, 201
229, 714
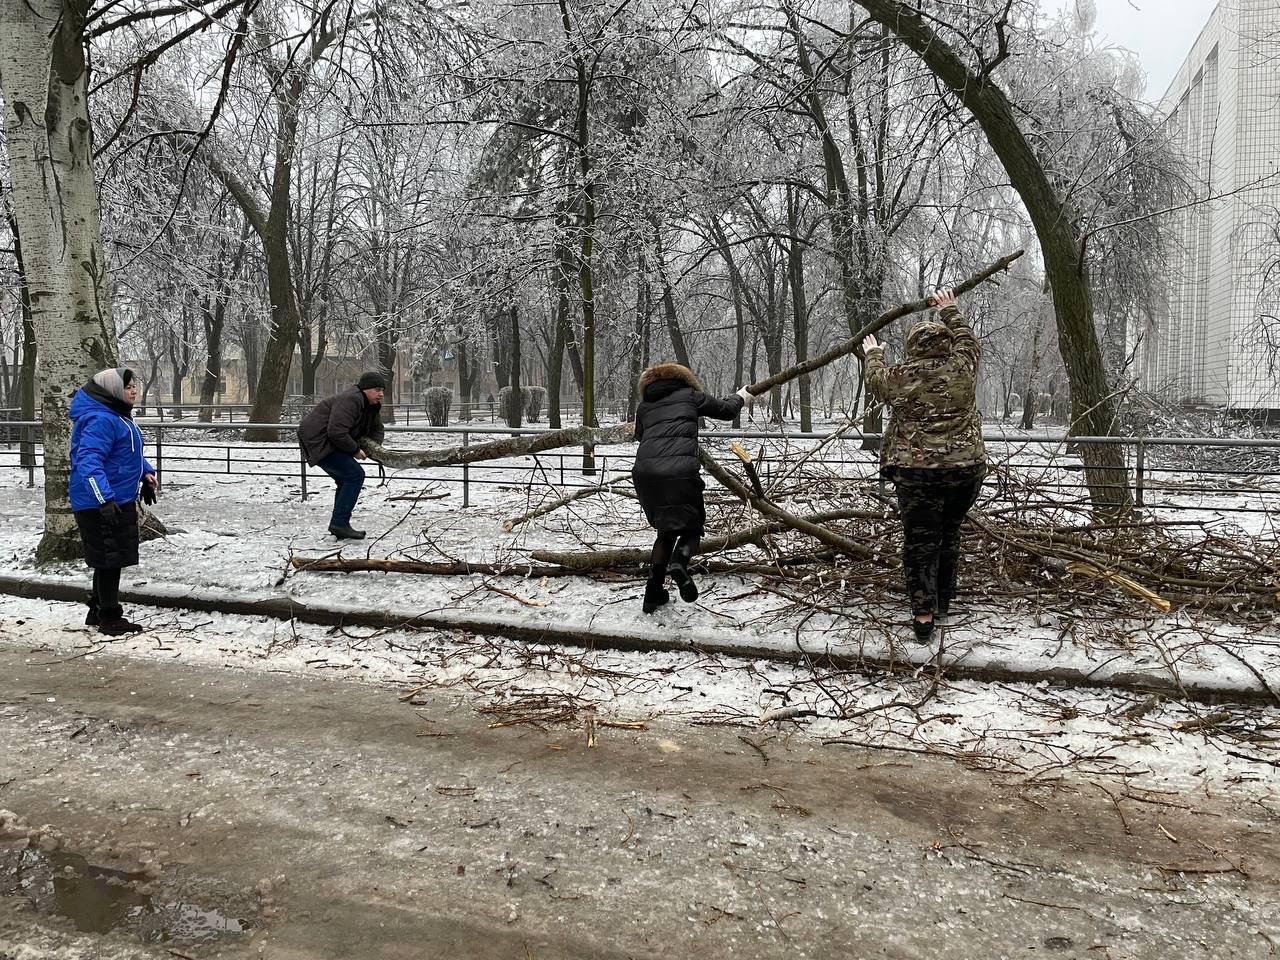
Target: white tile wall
1224, 104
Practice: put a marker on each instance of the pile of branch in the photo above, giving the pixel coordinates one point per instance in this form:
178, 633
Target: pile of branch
846, 552
1029, 539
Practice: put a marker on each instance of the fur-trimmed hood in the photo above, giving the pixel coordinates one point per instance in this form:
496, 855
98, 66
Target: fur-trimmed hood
669, 371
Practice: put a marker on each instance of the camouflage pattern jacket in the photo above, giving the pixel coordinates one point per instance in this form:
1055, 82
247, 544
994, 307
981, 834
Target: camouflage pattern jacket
935, 420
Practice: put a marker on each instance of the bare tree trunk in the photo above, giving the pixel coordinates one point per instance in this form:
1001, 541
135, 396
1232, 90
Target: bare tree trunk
799, 307
249, 344
1029, 394
515, 399
586, 279
739, 314
466, 379
678, 347
640, 342
289, 82
30, 351
559, 337
44, 79
387, 348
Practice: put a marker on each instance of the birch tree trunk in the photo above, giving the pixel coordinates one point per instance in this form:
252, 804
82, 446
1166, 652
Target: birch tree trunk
44, 78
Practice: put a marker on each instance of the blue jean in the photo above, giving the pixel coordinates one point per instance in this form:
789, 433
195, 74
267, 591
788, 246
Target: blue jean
349, 475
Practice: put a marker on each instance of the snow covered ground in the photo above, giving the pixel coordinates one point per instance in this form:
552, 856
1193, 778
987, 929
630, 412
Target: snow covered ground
235, 534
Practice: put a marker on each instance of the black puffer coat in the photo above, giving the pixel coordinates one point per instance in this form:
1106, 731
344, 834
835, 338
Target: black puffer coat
337, 424
666, 474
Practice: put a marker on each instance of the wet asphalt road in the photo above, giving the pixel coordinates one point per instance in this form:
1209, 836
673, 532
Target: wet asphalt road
337, 821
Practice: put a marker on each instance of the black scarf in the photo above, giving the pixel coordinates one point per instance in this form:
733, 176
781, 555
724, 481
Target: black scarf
114, 404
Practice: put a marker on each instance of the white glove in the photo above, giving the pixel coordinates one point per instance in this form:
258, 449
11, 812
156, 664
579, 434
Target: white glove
748, 398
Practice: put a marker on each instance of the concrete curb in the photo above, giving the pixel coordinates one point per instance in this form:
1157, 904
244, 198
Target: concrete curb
1202, 686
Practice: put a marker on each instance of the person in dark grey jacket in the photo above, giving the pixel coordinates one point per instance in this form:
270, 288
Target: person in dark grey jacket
330, 439
666, 474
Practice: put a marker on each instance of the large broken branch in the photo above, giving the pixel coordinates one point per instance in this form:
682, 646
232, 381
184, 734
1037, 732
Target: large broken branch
769, 508
622, 433
854, 343
497, 449
616, 563
459, 568
630, 557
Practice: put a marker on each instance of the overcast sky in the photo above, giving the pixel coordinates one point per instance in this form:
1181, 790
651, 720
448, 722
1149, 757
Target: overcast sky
1160, 32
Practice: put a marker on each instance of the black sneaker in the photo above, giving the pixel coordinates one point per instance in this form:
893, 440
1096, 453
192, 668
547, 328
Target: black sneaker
119, 627
347, 533
923, 630
688, 589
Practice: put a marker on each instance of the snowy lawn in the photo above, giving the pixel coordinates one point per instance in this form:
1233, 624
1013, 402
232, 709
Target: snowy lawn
235, 535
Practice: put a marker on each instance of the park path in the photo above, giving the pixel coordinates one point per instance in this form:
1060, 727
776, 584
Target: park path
337, 820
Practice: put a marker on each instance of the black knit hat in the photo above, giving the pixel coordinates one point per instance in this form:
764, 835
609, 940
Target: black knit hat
371, 380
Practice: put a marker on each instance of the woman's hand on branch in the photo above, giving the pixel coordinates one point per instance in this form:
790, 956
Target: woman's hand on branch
869, 342
940, 299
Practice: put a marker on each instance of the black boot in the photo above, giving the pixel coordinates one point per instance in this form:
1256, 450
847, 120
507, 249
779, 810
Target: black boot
923, 630
680, 569
113, 623
91, 619
655, 595
347, 533
680, 577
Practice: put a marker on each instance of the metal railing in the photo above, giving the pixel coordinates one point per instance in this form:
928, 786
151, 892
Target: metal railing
1052, 456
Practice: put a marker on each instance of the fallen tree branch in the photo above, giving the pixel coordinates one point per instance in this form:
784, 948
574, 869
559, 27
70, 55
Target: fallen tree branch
854, 343
631, 557
767, 507
460, 568
498, 449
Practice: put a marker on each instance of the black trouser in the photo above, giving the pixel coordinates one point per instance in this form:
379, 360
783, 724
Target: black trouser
932, 504
105, 598
672, 547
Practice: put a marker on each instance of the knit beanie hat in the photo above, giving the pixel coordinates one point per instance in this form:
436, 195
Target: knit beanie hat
113, 380
371, 380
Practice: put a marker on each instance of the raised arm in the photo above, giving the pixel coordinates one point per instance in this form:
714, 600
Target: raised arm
874, 369
718, 409
964, 341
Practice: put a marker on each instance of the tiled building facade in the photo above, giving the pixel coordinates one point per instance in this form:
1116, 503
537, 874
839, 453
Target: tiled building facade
1219, 341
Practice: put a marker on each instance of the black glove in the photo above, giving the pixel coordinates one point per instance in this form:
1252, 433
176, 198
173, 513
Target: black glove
148, 493
110, 512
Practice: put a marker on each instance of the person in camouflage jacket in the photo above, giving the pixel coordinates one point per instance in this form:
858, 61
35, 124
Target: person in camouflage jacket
932, 450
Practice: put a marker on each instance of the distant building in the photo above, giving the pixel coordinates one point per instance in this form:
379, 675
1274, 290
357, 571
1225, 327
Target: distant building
1216, 344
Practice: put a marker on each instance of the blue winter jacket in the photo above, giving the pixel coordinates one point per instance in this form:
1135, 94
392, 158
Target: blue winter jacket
106, 455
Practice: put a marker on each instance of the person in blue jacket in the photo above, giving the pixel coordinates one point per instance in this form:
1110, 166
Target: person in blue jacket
107, 467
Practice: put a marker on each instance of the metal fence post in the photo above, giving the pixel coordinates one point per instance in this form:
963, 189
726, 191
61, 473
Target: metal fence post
466, 473
159, 452
1138, 475
303, 471
29, 445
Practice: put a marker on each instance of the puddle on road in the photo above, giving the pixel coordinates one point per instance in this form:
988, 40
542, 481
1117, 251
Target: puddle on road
99, 900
